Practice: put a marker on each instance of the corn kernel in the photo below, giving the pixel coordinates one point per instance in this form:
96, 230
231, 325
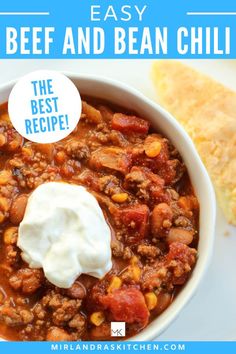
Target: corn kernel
153, 149
134, 260
119, 197
151, 300
10, 235
4, 177
97, 318
115, 284
136, 273
27, 151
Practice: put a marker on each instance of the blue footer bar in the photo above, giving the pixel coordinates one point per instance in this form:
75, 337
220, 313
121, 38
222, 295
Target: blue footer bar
120, 347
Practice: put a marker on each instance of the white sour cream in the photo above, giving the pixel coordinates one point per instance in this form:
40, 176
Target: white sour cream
65, 233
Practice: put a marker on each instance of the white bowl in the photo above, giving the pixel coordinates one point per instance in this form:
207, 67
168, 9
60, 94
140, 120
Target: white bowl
125, 96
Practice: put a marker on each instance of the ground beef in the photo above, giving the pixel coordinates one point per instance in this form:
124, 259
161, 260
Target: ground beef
8, 189
172, 270
77, 149
117, 248
77, 322
10, 139
62, 308
109, 185
183, 222
12, 254
33, 171
118, 139
27, 280
39, 311
147, 185
56, 334
148, 251
15, 316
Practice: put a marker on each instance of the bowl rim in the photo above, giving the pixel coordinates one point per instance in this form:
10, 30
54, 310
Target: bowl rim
159, 324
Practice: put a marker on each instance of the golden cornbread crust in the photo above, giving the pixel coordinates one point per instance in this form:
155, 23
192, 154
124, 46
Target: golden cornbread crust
207, 110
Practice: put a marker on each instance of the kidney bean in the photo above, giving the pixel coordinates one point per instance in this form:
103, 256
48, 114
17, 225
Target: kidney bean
161, 218
17, 210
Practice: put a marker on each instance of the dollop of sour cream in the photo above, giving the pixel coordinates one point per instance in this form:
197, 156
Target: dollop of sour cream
65, 233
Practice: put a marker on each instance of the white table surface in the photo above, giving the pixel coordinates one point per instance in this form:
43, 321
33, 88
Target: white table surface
211, 314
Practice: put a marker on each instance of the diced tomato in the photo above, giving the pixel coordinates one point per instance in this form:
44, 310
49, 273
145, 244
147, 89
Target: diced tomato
113, 158
181, 252
146, 184
129, 124
127, 305
171, 170
180, 261
154, 178
135, 219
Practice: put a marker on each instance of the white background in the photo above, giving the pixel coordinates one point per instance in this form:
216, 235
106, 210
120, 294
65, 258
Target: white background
211, 314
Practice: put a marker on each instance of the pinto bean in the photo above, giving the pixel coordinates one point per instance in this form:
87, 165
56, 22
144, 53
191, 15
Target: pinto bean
163, 301
180, 235
17, 210
76, 291
56, 334
161, 218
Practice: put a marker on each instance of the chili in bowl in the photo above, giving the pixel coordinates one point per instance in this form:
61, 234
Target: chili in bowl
157, 199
